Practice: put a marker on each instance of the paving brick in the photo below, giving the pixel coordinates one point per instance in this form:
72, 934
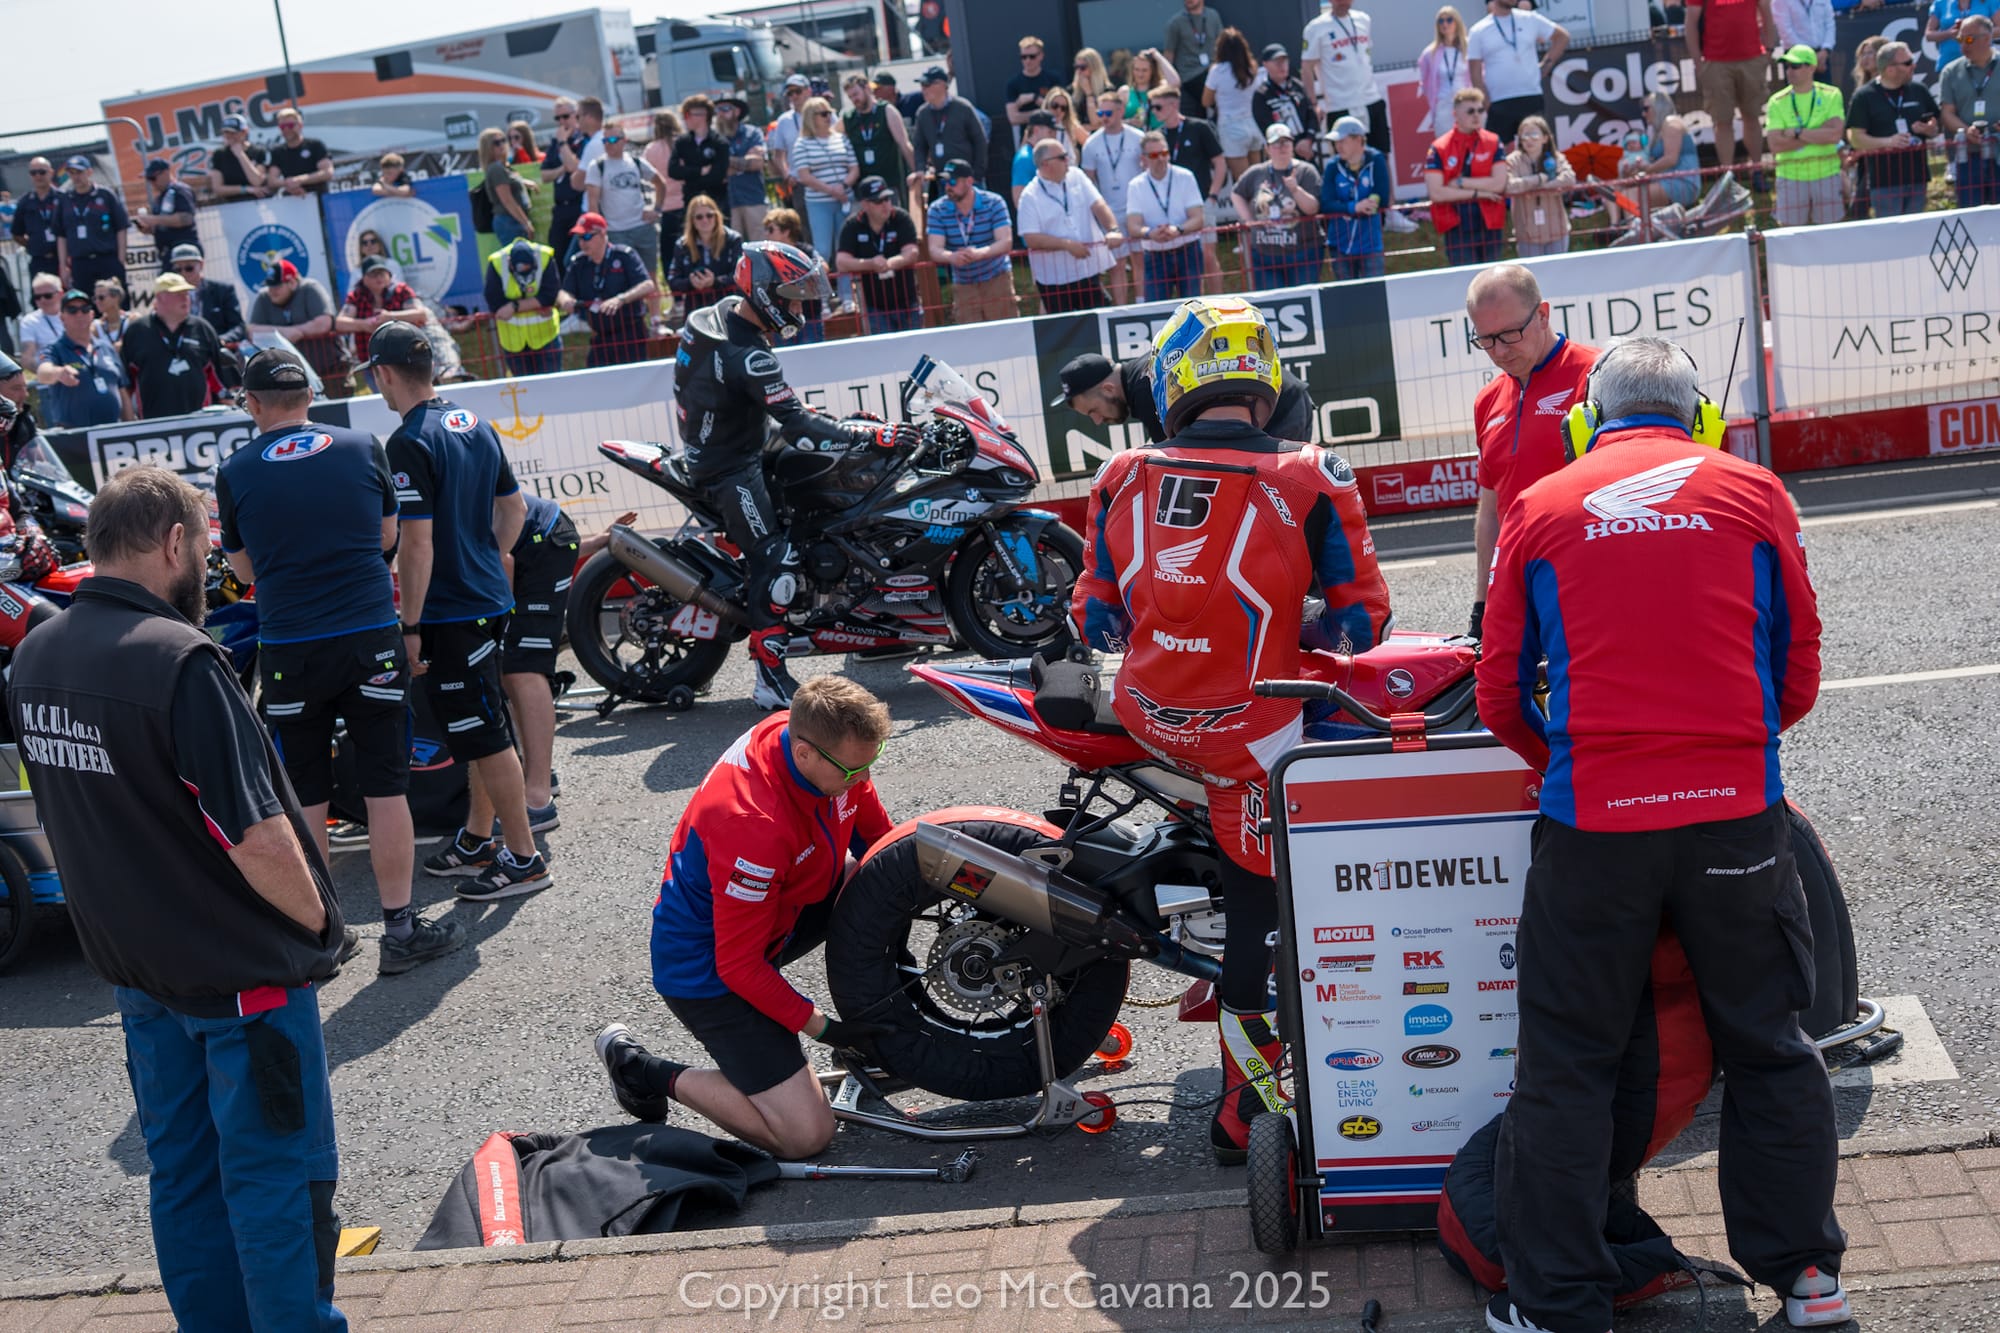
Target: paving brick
59, 1316
1704, 1199
361, 1284
1920, 1209
1916, 1244
1152, 1224
1846, 1194
454, 1289
1868, 1259
1979, 1159
144, 1321
1014, 1248
1861, 1227
1170, 1258
407, 1293
1938, 1173
557, 1291
144, 1302
1065, 1242
600, 1279
637, 1311
536, 1318
1973, 1240
1390, 1264
1117, 1259
1664, 1194
1883, 1178
529, 1275
416, 1323
1987, 1185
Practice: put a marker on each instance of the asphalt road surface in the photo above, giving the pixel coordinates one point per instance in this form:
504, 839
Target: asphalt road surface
1898, 777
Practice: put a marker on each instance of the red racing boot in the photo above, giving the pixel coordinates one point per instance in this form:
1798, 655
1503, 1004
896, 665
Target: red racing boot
774, 685
1251, 1056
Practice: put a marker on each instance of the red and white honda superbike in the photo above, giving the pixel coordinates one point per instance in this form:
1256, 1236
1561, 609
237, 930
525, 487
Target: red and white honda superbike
996, 944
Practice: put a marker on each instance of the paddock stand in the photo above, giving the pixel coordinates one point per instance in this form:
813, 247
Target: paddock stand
1061, 1104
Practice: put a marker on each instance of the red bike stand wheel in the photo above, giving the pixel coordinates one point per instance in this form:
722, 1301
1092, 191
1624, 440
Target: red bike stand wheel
1116, 1047
1103, 1118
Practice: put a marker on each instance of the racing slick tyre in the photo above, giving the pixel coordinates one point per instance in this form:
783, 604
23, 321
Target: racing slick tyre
621, 630
1271, 1176
1836, 973
898, 956
997, 624
17, 908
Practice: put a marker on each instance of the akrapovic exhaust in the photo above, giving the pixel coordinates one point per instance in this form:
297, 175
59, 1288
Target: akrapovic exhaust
667, 573
1029, 894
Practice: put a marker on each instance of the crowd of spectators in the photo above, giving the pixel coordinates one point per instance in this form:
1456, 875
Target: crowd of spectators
1170, 171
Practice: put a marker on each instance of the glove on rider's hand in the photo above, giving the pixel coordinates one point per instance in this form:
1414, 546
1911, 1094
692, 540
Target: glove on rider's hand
1478, 621
839, 1034
897, 437
38, 557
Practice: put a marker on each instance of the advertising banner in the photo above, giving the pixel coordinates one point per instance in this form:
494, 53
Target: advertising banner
1405, 873
192, 446
256, 233
1911, 315
1690, 292
429, 239
1965, 428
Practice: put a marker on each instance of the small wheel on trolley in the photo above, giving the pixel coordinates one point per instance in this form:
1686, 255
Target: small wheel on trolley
1272, 1175
17, 907
1101, 1120
1116, 1048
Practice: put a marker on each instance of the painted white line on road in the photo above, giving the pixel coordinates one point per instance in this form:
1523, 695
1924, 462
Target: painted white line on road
1912, 511
1911, 677
1923, 1058
1809, 479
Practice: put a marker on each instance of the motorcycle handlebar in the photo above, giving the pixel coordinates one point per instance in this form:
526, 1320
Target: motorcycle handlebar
1353, 707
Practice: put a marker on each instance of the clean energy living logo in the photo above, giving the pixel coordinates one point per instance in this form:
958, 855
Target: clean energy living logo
422, 242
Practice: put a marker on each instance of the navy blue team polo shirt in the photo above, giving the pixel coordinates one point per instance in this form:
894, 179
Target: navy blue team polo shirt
307, 503
448, 469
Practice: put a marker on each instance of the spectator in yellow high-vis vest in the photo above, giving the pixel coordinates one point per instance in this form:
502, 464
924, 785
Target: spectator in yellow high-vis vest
524, 292
1803, 125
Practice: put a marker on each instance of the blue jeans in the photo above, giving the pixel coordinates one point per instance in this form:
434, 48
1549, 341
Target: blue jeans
1978, 181
238, 1120
1346, 268
1173, 275
824, 214
1472, 241
1895, 201
1269, 270
506, 230
891, 321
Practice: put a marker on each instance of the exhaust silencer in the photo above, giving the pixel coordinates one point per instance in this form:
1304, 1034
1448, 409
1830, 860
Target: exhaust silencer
1027, 893
668, 572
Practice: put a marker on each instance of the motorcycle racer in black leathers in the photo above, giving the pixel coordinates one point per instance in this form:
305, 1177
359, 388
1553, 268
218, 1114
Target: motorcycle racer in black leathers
727, 383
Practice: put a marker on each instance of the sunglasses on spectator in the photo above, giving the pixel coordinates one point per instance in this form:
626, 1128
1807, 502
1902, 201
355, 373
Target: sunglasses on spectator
1486, 342
1031, 55
187, 270
614, 138
76, 308
565, 115
1159, 152
1902, 62
47, 296
707, 217
1081, 67
38, 171
1474, 110
846, 773
1103, 114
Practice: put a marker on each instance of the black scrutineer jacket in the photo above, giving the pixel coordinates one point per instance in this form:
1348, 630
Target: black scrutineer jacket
726, 382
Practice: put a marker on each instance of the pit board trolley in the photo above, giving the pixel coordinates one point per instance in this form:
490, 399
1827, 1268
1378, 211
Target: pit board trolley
28, 882
1400, 864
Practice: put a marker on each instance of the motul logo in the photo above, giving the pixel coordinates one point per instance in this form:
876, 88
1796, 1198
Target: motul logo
1178, 645
1496, 985
1619, 527
1343, 934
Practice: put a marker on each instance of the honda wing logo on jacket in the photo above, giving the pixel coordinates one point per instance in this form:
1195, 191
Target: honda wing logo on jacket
1629, 505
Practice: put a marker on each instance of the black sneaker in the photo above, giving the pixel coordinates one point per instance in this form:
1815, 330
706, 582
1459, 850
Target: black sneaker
462, 856
345, 835
615, 1047
503, 879
555, 784
426, 940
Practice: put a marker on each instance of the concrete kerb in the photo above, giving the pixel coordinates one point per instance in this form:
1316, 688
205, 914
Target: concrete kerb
1902, 1144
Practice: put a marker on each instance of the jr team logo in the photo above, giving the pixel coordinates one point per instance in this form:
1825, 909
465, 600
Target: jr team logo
302, 444
458, 420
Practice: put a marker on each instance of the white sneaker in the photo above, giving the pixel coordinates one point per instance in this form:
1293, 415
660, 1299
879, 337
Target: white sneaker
1817, 1300
1394, 220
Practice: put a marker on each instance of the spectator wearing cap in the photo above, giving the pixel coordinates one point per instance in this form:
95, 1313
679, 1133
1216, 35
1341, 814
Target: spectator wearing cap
1191, 38
90, 236
377, 298
1806, 122
908, 104
1340, 70
170, 219
213, 301
1354, 194
947, 128
239, 169
1508, 63
879, 244
970, 238
1113, 156
299, 165
784, 135
299, 310
1112, 393
524, 292
1026, 86
1466, 179
1163, 212
1068, 231
1041, 128
610, 283
699, 161
81, 379
566, 204
616, 184
1890, 121
1968, 111
702, 268
1730, 43
876, 132
37, 225
1281, 99
745, 196
174, 356
1194, 144
1273, 198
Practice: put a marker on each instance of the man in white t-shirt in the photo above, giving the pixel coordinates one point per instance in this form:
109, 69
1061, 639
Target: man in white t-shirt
615, 186
1505, 56
1339, 70
1163, 211
1112, 156
1068, 231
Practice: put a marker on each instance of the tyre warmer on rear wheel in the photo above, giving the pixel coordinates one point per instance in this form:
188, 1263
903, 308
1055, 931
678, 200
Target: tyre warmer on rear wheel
1251, 1056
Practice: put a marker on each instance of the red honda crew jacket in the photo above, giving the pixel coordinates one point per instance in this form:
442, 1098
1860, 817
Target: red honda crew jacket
1520, 426
1666, 584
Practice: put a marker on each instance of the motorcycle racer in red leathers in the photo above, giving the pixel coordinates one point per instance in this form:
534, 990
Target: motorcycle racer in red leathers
1202, 552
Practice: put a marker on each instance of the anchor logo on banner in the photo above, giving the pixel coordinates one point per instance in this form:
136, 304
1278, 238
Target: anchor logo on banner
517, 429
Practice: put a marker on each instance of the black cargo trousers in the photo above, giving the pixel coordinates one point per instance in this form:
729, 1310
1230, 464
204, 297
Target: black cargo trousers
1592, 912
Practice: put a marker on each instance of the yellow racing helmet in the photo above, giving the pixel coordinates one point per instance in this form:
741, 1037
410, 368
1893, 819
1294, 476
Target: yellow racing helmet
1214, 349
